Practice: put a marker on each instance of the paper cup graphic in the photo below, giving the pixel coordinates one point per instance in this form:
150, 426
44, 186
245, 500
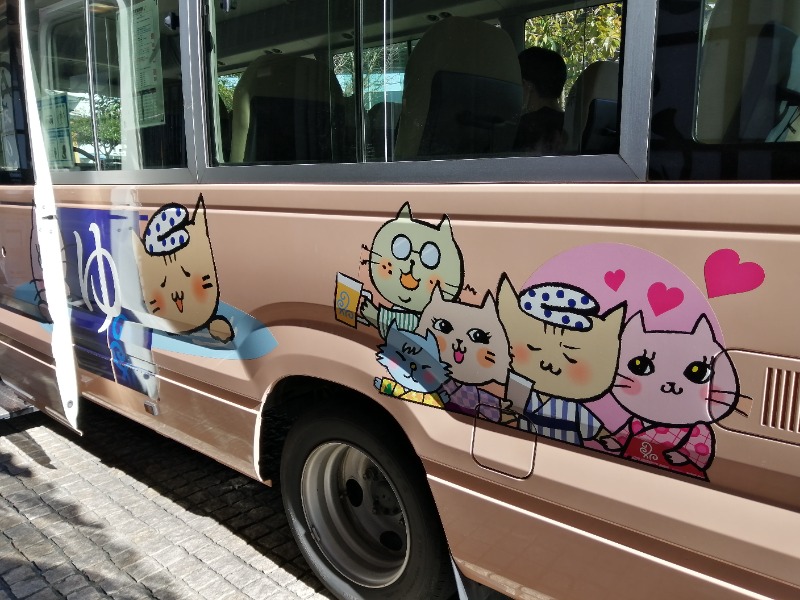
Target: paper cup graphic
348, 296
518, 389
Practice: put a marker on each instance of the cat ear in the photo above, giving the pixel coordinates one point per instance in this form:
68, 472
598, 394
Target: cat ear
487, 297
138, 247
430, 340
444, 225
405, 212
199, 216
703, 328
506, 296
636, 321
615, 317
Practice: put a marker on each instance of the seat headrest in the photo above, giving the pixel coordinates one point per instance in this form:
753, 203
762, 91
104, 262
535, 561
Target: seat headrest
599, 81
455, 45
279, 77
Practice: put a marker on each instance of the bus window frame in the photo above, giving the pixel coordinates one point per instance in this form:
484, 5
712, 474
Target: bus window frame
629, 165
154, 176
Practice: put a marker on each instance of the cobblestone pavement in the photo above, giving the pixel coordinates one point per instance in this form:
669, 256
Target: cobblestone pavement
125, 513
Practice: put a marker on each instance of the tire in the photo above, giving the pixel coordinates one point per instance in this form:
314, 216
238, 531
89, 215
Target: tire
361, 511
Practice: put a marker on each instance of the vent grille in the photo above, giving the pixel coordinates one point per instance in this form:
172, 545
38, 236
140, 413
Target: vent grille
781, 408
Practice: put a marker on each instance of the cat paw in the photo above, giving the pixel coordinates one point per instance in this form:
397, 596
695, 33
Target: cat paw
609, 443
220, 329
369, 311
676, 458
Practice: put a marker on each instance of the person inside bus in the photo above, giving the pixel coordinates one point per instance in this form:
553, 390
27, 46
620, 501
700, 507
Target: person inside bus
541, 126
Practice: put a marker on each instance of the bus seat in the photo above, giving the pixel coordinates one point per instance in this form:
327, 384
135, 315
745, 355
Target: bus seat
766, 87
225, 130
382, 120
590, 115
286, 109
462, 94
745, 66
789, 109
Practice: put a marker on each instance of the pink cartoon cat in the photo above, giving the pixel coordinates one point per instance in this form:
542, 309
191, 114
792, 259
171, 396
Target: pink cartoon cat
674, 385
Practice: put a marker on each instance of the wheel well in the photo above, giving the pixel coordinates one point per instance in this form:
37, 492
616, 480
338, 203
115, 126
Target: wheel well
297, 396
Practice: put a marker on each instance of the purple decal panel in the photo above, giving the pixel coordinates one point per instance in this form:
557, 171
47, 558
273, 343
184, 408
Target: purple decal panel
135, 284
102, 287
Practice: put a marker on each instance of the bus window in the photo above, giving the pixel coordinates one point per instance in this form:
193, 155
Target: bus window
277, 99
726, 95
115, 101
465, 97
589, 41
14, 165
436, 84
749, 79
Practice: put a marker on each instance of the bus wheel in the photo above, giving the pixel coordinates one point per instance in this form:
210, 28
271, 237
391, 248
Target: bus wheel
361, 511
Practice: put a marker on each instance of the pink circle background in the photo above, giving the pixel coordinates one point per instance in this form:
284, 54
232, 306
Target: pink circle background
599, 268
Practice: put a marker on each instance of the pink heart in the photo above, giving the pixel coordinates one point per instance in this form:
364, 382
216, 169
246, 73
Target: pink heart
662, 298
725, 275
614, 279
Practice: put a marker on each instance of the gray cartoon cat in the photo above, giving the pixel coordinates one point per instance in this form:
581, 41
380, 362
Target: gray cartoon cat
416, 372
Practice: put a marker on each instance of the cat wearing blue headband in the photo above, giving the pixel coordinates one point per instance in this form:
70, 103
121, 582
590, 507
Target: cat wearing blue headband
177, 272
563, 353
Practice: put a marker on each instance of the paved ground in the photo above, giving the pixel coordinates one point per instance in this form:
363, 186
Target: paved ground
127, 514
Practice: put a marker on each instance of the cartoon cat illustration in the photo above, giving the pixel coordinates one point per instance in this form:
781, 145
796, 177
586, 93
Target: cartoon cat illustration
563, 352
408, 258
473, 342
674, 385
413, 363
177, 272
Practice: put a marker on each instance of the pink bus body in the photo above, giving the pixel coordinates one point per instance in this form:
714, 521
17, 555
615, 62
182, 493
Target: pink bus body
563, 376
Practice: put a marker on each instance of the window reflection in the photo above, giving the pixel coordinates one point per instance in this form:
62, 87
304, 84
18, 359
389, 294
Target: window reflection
290, 86
124, 108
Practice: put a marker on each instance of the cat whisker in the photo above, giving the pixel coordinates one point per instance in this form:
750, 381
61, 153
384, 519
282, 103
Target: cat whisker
710, 399
731, 393
619, 385
624, 376
735, 409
